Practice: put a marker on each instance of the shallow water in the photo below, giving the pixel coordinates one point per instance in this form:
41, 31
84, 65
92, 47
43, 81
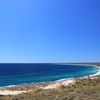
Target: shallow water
13, 74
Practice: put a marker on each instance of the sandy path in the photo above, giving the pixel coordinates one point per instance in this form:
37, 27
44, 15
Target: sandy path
9, 92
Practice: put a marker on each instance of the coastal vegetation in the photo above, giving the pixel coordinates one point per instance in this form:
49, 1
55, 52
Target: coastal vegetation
83, 89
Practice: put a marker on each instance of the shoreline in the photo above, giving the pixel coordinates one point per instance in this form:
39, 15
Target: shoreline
63, 79
70, 81
4, 90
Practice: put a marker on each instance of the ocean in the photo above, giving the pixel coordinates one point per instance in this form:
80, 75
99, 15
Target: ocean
14, 74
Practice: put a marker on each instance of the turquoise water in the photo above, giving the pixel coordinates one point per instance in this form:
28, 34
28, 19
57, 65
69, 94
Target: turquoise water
13, 74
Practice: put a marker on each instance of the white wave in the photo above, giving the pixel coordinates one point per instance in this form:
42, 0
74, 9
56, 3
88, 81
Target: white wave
10, 86
64, 79
92, 75
96, 74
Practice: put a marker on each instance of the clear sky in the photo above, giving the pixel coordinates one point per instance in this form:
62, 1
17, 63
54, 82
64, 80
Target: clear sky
49, 31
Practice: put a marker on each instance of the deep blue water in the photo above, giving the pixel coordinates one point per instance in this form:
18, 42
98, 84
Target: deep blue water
12, 74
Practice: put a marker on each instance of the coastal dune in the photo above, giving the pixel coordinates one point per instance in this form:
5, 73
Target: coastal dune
51, 85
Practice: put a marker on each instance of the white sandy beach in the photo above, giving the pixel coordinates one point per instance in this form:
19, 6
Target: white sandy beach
59, 83
52, 85
9, 92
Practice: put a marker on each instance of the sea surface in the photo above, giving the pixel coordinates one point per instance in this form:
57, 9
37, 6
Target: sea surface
13, 74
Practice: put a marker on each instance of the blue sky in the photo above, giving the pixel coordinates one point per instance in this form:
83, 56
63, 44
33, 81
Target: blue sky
49, 31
